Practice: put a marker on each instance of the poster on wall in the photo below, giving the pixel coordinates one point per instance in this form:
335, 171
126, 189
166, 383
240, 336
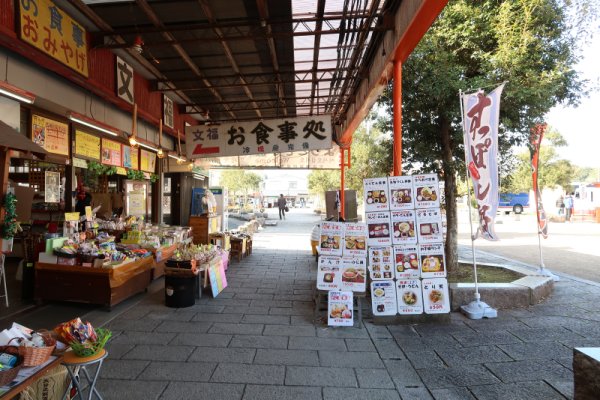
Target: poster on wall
429, 225
137, 203
406, 261
52, 187
383, 298
426, 191
147, 161
355, 238
328, 273
409, 295
379, 228
332, 234
126, 156
433, 260
435, 296
376, 194
87, 145
135, 158
339, 309
354, 274
111, 153
381, 263
403, 227
52, 135
401, 192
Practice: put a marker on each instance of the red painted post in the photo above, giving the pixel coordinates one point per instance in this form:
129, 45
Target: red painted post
342, 178
397, 99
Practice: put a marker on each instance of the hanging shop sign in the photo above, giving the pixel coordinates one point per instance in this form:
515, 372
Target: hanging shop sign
51, 30
111, 153
87, 145
168, 118
259, 137
124, 81
147, 161
52, 135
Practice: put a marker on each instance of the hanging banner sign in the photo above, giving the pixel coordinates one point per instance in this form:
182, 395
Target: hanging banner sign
51, 30
147, 161
52, 135
480, 125
111, 153
259, 137
535, 140
87, 145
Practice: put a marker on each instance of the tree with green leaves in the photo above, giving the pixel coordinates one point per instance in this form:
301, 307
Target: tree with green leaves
321, 181
240, 182
479, 44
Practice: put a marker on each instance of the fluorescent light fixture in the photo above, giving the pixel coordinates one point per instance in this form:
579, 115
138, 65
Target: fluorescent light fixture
14, 92
147, 146
83, 120
177, 158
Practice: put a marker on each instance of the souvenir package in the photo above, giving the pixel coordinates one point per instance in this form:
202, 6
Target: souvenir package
436, 299
332, 235
409, 294
401, 193
383, 298
354, 274
376, 194
426, 191
433, 260
329, 273
339, 309
406, 261
429, 225
355, 237
403, 227
381, 263
379, 229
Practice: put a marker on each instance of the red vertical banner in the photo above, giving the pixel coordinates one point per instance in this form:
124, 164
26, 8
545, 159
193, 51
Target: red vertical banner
535, 140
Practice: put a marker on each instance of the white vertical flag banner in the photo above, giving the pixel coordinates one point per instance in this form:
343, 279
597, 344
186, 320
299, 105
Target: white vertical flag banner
480, 123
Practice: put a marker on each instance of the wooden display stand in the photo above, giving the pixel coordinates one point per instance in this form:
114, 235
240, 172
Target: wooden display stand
202, 226
105, 286
160, 258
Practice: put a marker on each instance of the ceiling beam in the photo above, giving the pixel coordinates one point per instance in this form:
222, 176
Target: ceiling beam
316, 48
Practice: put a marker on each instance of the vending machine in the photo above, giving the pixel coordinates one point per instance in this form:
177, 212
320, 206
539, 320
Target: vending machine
220, 194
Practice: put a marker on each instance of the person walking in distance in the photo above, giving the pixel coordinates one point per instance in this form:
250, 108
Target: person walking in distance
281, 204
568, 207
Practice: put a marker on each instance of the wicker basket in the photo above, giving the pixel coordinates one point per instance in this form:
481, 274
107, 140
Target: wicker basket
9, 375
34, 356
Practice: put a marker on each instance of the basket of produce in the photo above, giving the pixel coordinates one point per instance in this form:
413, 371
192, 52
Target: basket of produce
84, 340
11, 363
37, 350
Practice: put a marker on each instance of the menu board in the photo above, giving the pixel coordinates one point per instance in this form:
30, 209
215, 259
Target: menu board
216, 274
339, 309
378, 226
435, 296
401, 193
111, 153
381, 263
87, 145
355, 238
354, 274
329, 276
433, 260
403, 227
147, 161
332, 234
409, 295
429, 225
376, 194
383, 298
426, 191
406, 261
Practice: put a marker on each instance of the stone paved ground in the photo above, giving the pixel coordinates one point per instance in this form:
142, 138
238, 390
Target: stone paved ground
258, 340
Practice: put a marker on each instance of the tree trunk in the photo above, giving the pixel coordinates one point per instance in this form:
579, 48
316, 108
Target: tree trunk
449, 170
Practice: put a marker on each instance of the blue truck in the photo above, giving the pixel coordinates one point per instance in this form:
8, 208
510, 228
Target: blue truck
514, 202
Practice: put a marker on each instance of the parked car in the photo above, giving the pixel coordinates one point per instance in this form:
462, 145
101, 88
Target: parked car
514, 202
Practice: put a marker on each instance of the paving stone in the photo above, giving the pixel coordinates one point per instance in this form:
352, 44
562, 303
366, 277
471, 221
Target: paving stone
244, 373
286, 357
306, 319
283, 330
414, 393
259, 342
378, 331
157, 352
182, 327
246, 310
452, 394
529, 370
403, 374
237, 329
207, 308
320, 376
118, 350
350, 359
359, 394
132, 337
565, 387
266, 319
271, 303
360, 345
461, 376
491, 338
374, 378
123, 369
516, 391
547, 334
343, 333
171, 315
533, 351
290, 311
254, 296
388, 348
202, 391
472, 355
144, 325
265, 392
433, 329
424, 359
316, 343
220, 355
220, 317
136, 390
201, 339
178, 371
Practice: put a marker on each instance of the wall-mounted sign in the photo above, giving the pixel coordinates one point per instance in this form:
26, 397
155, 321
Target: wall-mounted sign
147, 161
51, 30
124, 81
111, 152
135, 159
52, 135
52, 187
87, 145
168, 118
259, 137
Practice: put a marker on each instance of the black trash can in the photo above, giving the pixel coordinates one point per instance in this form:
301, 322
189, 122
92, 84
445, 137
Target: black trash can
179, 291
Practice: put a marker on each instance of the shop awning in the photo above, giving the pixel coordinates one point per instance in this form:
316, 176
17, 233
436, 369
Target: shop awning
11, 139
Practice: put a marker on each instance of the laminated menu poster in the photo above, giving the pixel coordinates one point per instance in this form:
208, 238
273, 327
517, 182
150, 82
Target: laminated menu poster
332, 234
381, 263
376, 194
354, 274
383, 298
410, 300
435, 296
339, 309
379, 229
401, 193
403, 227
329, 273
433, 260
406, 261
429, 225
355, 238
426, 191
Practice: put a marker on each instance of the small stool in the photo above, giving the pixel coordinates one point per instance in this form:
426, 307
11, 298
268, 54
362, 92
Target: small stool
71, 361
248, 246
236, 248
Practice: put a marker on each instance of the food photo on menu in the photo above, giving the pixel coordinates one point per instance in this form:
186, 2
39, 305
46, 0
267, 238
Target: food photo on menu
379, 230
404, 229
353, 275
401, 197
432, 259
330, 242
355, 243
407, 261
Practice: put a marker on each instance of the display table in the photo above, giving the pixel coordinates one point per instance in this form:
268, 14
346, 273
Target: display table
202, 226
105, 286
160, 258
27, 376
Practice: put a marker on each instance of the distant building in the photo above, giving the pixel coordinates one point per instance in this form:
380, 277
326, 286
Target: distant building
292, 184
